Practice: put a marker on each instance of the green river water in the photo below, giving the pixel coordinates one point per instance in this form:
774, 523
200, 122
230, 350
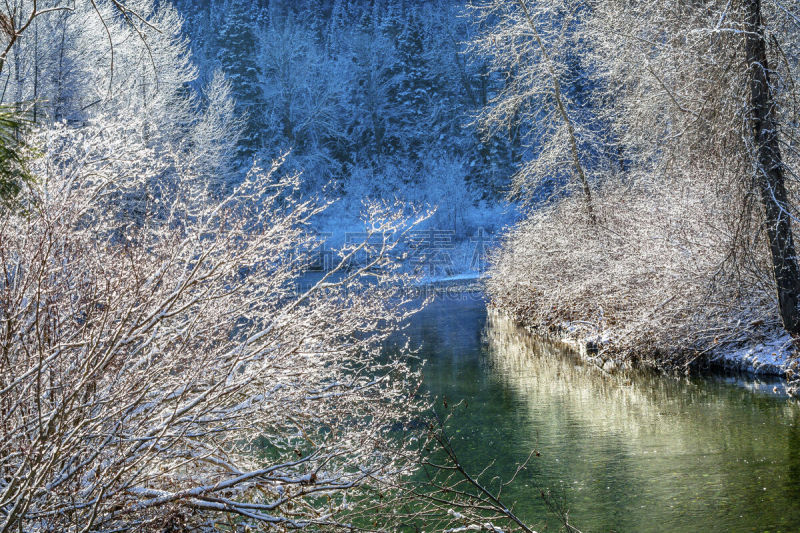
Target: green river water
651, 453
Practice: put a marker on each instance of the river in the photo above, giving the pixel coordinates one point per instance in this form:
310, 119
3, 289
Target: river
626, 453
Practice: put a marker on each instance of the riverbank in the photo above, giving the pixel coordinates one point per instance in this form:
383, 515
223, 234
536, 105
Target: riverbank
771, 356
762, 355
774, 356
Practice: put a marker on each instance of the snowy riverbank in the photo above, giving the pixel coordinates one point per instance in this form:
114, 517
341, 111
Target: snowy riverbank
770, 356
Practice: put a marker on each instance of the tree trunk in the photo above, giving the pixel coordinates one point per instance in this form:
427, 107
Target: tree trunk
769, 171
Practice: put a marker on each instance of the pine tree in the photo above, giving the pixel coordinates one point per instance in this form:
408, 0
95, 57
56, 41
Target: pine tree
237, 51
412, 91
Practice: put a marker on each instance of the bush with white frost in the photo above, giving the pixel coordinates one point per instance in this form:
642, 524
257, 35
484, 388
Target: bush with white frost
678, 242
166, 372
654, 276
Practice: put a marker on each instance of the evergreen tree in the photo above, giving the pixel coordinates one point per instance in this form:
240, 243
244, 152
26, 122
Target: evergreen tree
236, 54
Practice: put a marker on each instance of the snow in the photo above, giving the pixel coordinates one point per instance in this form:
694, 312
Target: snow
772, 356
766, 359
464, 276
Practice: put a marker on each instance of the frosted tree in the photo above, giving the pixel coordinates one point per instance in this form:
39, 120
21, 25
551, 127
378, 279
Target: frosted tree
214, 135
373, 55
304, 92
412, 89
717, 76
528, 44
236, 45
180, 376
693, 250
770, 173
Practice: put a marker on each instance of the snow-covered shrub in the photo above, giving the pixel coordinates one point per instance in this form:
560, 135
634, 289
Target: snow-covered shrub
169, 374
663, 272
681, 144
445, 186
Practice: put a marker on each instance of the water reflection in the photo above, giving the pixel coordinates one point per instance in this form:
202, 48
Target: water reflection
647, 453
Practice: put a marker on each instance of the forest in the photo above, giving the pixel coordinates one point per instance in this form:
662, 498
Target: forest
216, 217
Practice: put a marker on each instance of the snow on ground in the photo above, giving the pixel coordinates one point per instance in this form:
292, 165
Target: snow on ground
772, 357
464, 276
